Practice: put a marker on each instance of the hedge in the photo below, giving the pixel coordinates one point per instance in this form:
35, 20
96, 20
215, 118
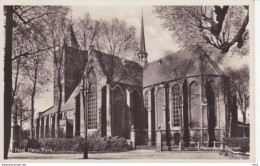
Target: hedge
95, 144
243, 143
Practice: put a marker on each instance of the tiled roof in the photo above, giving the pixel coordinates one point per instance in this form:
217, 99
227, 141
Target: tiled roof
159, 71
120, 70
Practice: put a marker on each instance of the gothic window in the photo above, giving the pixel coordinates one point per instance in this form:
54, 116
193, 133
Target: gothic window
135, 98
194, 96
146, 110
176, 118
117, 112
92, 102
160, 108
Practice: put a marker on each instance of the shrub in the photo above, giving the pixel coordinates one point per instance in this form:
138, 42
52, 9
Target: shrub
30, 143
95, 144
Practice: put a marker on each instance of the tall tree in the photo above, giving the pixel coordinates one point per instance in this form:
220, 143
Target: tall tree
239, 83
213, 27
118, 39
19, 18
38, 76
8, 100
56, 30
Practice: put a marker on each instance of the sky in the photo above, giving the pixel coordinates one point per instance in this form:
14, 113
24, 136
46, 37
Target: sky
158, 40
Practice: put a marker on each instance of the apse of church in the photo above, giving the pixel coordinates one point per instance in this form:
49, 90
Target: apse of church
193, 110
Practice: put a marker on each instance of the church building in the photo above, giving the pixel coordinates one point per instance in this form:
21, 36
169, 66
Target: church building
184, 95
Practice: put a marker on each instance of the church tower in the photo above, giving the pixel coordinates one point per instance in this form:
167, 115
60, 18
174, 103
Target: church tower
142, 54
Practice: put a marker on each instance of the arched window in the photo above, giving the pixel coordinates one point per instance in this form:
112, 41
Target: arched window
176, 118
92, 102
160, 108
117, 112
146, 110
195, 105
135, 99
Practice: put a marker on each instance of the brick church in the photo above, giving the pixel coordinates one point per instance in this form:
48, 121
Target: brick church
193, 105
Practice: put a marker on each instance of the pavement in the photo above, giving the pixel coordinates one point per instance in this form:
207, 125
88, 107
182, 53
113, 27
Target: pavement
135, 154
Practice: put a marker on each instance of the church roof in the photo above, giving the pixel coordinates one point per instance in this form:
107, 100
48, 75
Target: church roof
187, 62
120, 70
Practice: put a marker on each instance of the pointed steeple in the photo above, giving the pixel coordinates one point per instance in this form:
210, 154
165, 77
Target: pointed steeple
73, 39
142, 54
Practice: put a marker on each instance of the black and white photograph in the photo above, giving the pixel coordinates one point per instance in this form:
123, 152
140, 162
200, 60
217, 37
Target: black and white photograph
128, 82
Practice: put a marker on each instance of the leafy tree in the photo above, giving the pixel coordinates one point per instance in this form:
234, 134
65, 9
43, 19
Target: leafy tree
212, 27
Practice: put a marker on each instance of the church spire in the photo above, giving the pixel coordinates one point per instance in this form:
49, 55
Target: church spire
142, 54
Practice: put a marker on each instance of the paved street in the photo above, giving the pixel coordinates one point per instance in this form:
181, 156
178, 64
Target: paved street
136, 154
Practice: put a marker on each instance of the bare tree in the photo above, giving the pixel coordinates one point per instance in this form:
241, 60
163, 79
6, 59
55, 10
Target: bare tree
56, 30
86, 30
38, 76
239, 87
213, 27
23, 19
120, 42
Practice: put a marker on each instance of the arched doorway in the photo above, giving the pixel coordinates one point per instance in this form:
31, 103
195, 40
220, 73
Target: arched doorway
117, 112
211, 103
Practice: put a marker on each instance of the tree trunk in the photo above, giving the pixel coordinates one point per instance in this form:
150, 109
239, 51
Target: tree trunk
8, 100
234, 116
244, 124
59, 108
21, 123
32, 111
